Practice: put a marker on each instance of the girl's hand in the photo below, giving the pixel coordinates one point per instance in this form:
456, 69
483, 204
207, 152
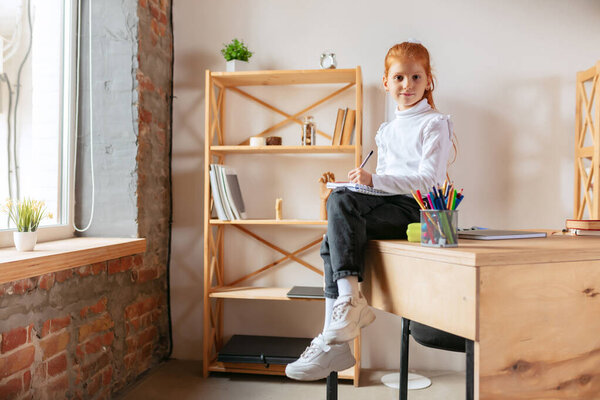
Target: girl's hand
359, 175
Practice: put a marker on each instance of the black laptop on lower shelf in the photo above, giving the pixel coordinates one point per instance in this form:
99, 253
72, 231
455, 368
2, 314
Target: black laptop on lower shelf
262, 349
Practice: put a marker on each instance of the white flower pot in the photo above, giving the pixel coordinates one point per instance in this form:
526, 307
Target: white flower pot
237, 65
25, 241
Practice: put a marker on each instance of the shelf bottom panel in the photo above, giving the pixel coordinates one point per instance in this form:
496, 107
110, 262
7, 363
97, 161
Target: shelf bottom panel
261, 369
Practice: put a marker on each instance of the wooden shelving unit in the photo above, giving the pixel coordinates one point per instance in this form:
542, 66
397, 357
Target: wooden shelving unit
216, 289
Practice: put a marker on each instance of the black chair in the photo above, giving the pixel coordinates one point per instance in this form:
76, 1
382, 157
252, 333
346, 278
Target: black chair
431, 337
332, 386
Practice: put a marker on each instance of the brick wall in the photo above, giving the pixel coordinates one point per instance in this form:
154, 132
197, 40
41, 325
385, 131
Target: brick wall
84, 332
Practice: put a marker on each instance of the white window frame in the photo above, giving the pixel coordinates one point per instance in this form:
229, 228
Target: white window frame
68, 135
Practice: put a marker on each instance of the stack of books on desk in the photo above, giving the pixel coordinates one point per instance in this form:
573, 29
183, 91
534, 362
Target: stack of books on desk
584, 227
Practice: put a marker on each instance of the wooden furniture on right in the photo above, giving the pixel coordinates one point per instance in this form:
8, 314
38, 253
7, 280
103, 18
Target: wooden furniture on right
530, 305
587, 177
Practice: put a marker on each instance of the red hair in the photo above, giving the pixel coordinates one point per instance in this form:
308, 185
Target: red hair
409, 51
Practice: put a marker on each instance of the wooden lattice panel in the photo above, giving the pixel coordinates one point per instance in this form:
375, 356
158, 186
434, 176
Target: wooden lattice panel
587, 144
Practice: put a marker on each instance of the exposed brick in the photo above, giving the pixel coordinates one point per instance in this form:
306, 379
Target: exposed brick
138, 260
14, 338
114, 266
107, 376
95, 344
97, 308
11, 389
145, 115
162, 18
22, 286
54, 344
46, 281
97, 268
62, 276
129, 361
145, 275
147, 336
16, 361
143, 3
84, 271
126, 263
57, 365
27, 380
94, 384
104, 322
60, 323
93, 367
148, 304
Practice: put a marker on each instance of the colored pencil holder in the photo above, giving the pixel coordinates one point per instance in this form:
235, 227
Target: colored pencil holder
439, 228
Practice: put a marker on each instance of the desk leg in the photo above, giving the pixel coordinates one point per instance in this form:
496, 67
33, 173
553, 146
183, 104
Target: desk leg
332, 386
470, 350
404, 359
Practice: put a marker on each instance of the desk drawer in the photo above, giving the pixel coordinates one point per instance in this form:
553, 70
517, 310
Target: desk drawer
434, 293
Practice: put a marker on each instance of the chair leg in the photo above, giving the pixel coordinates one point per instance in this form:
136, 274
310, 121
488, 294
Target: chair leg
404, 359
470, 350
332, 386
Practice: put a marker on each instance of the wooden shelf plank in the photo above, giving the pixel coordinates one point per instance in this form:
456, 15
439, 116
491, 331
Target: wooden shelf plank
255, 293
63, 254
289, 77
269, 222
273, 369
349, 149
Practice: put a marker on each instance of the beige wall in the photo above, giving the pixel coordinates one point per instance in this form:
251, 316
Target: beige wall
506, 74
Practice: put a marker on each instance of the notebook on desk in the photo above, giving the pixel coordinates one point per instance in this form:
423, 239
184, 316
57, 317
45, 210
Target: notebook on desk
498, 234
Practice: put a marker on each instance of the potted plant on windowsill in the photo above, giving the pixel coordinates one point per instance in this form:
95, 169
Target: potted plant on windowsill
237, 55
26, 215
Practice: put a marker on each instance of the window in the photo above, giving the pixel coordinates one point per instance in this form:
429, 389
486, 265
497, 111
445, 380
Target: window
37, 109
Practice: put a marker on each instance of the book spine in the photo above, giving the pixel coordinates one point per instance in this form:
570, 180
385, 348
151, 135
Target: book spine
214, 188
220, 174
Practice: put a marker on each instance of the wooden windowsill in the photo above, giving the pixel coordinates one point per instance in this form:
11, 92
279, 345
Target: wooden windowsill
64, 254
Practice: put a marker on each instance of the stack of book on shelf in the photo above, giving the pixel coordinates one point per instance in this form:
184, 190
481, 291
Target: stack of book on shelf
344, 127
584, 227
226, 193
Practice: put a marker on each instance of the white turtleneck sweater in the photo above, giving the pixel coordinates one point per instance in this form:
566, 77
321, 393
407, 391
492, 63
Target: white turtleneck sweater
413, 150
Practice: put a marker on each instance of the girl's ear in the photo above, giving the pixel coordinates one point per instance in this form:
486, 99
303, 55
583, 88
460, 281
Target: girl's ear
385, 83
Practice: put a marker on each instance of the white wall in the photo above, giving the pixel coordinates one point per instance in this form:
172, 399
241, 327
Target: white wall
506, 73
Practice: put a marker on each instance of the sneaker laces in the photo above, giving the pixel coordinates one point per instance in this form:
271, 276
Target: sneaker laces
341, 309
316, 346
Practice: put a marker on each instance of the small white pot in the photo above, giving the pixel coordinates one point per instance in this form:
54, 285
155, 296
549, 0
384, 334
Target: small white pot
25, 241
237, 65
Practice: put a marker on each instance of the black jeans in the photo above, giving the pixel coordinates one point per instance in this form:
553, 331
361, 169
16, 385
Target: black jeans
355, 218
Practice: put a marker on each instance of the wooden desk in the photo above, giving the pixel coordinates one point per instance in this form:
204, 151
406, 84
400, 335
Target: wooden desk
532, 306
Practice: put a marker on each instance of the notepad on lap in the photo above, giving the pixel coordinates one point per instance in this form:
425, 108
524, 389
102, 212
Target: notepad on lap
498, 234
356, 187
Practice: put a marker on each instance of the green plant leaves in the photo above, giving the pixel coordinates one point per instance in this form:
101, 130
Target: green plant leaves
236, 50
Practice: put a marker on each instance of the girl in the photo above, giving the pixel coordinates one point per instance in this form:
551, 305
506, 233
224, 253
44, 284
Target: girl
413, 151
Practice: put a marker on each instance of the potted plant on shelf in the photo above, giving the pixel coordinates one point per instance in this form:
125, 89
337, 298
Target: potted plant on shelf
26, 215
237, 55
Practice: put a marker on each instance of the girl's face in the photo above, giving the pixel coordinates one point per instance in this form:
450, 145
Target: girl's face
406, 82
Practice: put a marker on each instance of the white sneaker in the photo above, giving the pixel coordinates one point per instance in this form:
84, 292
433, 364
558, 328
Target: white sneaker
349, 315
319, 360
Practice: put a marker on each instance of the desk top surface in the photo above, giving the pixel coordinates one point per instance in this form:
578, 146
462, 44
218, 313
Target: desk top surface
554, 248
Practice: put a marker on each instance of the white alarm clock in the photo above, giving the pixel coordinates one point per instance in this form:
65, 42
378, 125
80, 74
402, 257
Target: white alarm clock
328, 60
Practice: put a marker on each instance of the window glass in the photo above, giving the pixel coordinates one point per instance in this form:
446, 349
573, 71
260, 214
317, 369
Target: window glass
35, 75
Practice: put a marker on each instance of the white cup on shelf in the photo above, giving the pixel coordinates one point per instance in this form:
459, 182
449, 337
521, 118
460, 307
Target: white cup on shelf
258, 141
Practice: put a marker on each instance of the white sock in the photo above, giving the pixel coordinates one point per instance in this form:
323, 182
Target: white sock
328, 311
348, 286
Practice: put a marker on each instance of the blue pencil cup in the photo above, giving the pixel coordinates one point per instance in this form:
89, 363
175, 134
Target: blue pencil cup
439, 228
